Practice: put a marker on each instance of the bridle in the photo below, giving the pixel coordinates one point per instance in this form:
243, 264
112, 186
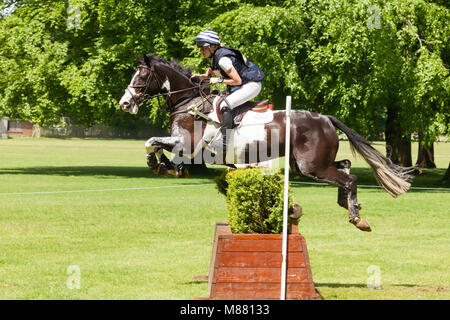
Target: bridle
153, 75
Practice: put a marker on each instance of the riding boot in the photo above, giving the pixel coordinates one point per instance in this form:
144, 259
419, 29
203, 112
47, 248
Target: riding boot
227, 123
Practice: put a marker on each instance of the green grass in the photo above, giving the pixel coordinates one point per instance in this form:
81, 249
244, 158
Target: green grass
148, 244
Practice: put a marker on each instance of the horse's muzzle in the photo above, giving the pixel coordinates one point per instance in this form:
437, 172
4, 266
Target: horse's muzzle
129, 108
128, 105
125, 106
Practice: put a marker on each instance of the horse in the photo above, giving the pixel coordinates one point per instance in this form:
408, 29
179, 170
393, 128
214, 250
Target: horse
313, 136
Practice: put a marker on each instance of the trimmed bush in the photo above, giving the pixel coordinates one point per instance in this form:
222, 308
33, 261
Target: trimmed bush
254, 198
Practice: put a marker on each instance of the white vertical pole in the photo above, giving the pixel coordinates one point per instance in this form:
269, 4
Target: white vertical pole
286, 198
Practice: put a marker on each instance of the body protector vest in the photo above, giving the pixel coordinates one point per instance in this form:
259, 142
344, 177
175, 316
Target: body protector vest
248, 71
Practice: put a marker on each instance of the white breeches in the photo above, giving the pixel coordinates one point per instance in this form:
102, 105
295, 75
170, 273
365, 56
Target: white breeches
247, 92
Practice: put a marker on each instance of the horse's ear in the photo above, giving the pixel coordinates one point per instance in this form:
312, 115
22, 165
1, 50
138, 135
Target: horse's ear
141, 61
148, 59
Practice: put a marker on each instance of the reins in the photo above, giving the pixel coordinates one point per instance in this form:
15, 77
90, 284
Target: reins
154, 75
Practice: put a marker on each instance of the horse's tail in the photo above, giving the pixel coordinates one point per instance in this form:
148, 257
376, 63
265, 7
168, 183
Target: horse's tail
393, 178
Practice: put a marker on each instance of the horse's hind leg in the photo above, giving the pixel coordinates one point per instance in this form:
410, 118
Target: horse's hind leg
344, 166
347, 184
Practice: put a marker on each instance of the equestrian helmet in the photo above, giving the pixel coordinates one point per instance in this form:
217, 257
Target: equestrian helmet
205, 38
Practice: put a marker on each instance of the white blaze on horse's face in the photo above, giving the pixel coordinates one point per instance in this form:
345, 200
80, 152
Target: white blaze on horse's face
166, 85
127, 102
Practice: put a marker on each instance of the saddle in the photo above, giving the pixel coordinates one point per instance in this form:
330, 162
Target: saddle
240, 111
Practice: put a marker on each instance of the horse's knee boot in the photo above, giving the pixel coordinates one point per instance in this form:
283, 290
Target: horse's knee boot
152, 161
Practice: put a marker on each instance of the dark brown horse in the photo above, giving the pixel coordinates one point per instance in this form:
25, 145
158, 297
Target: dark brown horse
314, 141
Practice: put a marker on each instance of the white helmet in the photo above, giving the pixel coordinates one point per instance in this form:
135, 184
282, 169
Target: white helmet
205, 38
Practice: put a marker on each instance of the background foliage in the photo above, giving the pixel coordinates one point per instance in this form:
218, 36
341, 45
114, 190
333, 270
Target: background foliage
380, 66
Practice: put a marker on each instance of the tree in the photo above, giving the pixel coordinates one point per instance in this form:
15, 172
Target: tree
75, 59
388, 61
378, 66
447, 174
425, 155
269, 36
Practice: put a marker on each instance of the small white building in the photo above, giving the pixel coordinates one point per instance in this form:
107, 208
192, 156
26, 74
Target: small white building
17, 128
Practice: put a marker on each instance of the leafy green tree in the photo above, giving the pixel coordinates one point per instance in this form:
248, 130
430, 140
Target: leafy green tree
412, 56
377, 65
357, 60
384, 60
74, 58
270, 36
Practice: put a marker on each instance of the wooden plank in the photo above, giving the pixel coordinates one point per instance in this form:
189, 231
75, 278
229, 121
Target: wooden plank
258, 245
307, 263
265, 236
261, 291
222, 228
259, 259
237, 274
257, 236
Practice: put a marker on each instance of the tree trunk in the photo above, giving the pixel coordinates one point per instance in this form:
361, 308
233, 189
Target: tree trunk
398, 142
447, 174
425, 156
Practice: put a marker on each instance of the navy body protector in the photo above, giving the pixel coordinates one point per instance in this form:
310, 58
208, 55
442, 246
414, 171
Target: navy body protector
248, 71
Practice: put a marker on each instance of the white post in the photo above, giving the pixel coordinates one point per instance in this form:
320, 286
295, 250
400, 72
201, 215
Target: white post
3, 128
286, 198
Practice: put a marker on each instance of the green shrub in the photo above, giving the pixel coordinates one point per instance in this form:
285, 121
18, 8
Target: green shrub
254, 198
221, 183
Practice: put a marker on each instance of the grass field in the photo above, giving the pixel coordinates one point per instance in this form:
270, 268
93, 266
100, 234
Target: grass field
60, 220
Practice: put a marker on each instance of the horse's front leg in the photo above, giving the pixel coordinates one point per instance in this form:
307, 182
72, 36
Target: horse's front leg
157, 160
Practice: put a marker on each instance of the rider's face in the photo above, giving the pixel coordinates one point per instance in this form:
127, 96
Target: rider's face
206, 51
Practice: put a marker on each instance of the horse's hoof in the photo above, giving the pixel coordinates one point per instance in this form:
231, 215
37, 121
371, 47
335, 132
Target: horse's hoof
182, 172
361, 224
161, 170
185, 173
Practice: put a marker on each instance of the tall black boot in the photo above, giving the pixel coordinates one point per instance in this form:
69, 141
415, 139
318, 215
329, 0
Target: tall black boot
227, 123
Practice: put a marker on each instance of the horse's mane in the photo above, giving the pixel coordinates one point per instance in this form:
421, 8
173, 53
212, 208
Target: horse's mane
172, 63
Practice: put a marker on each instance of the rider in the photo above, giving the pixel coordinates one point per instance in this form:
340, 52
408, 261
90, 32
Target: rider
242, 77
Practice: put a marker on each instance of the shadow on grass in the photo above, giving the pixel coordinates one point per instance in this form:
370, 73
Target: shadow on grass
129, 172
340, 285
195, 282
361, 285
103, 171
431, 178
400, 285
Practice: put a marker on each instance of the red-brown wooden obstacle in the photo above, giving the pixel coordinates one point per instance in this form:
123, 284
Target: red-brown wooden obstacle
248, 266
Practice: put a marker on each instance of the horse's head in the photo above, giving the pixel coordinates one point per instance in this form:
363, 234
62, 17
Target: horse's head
155, 77
143, 85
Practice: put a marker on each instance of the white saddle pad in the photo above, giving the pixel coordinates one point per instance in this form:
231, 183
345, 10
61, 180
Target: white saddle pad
250, 118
